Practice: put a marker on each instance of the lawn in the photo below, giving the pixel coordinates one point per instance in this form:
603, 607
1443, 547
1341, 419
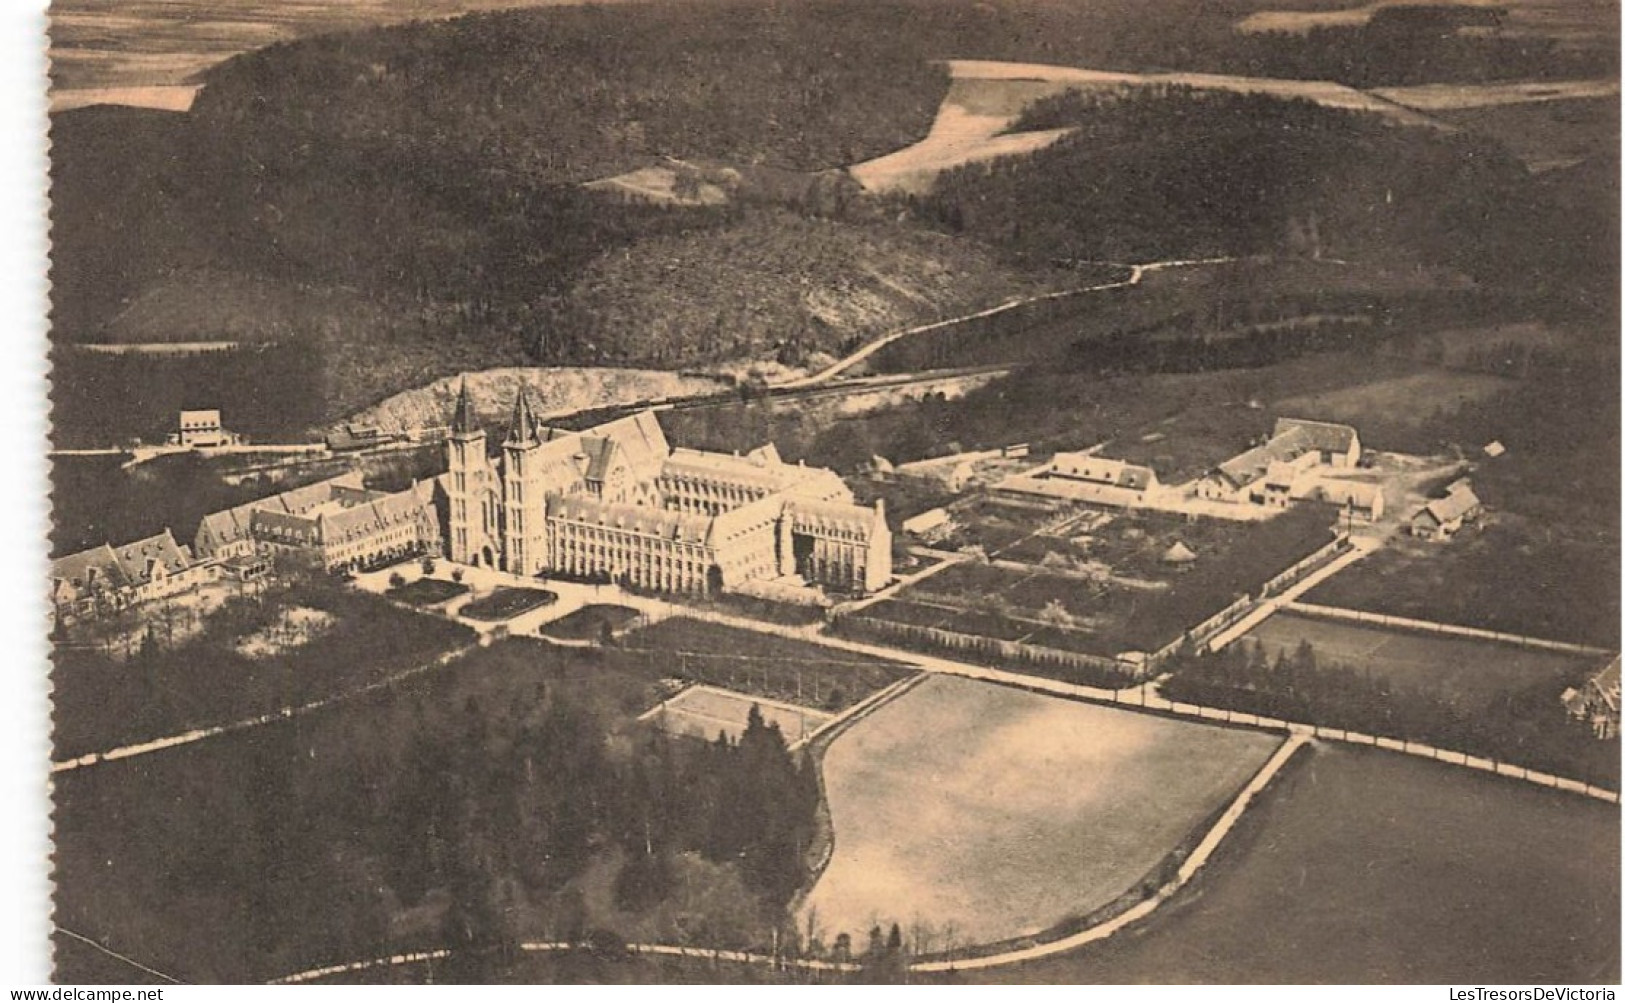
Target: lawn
101, 704
1467, 672
589, 622
1364, 866
766, 665
507, 603
1003, 813
427, 592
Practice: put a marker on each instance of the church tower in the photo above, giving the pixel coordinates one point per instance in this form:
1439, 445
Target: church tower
470, 533
524, 494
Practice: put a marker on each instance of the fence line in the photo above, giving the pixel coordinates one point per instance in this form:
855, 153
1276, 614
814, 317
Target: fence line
1239, 610
1432, 627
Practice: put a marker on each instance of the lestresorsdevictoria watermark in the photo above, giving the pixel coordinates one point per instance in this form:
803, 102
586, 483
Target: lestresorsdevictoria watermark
1534, 994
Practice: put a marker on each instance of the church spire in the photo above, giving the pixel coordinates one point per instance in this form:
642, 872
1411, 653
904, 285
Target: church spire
462, 419
522, 430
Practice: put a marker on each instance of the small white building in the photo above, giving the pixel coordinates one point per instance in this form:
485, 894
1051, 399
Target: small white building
1361, 499
202, 429
926, 523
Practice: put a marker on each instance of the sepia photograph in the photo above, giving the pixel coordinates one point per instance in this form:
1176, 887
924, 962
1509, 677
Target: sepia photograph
780, 492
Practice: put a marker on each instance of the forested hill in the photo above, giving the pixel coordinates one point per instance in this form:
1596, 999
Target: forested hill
1160, 172
575, 93
404, 203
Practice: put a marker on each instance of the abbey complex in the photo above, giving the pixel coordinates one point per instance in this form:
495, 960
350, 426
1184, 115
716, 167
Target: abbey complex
614, 503
617, 501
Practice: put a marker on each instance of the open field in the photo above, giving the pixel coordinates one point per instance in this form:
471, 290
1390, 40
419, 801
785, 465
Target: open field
797, 672
1390, 412
1004, 813
705, 712
1556, 583
507, 603
1369, 866
1456, 97
1467, 672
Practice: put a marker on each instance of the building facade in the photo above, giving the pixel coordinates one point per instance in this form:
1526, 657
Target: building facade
616, 502
337, 524
202, 429
107, 579
1266, 474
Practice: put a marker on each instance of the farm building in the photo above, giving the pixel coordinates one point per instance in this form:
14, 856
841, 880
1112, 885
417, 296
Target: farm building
1361, 499
106, 579
1265, 474
1597, 702
1442, 518
1097, 480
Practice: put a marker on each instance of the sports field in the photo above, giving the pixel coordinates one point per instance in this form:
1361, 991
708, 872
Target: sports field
1470, 672
706, 711
1000, 813
1363, 866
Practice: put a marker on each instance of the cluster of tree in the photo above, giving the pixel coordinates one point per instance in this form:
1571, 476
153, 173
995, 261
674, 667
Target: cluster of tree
747, 801
1422, 44
1156, 173
1527, 727
467, 810
188, 671
500, 812
264, 392
583, 92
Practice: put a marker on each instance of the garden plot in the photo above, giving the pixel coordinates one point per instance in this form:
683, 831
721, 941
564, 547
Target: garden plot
1133, 583
990, 813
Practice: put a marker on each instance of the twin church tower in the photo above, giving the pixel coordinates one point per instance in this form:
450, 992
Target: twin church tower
617, 503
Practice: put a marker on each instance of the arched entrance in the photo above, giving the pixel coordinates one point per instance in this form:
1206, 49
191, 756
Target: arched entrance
487, 558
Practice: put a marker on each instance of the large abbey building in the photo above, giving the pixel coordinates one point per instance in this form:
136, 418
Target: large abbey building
617, 502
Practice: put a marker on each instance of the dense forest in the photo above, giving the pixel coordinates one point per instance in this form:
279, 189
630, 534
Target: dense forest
513, 798
1174, 172
1420, 44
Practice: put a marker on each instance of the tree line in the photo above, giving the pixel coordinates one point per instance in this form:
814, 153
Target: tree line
1525, 727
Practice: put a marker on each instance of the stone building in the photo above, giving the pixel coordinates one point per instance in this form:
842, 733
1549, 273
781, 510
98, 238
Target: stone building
616, 502
107, 579
338, 523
